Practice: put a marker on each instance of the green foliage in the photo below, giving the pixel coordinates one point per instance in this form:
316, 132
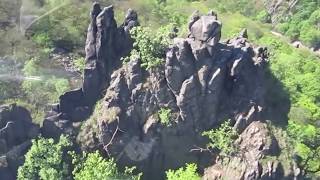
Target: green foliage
42, 39
304, 23
37, 113
306, 140
9, 90
58, 25
300, 115
222, 138
300, 73
149, 46
94, 119
263, 16
50, 160
165, 116
79, 63
41, 89
187, 173
46, 160
94, 166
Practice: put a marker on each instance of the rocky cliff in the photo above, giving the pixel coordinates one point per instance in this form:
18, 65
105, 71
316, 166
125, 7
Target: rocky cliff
202, 82
16, 132
106, 44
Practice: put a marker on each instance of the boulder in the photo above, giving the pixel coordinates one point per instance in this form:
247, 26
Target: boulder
16, 125
16, 131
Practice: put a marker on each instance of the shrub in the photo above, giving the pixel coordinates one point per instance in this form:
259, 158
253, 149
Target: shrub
149, 46
41, 90
79, 63
59, 27
263, 16
51, 160
306, 141
303, 24
187, 173
46, 160
42, 39
94, 166
222, 138
165, 116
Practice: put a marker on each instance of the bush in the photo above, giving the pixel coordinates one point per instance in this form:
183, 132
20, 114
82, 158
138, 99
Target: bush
94, 166
42, 39
263, 16
149, 46
51, 160
165, 116
187, 173
46, 160
298, 71
303, 24
306, 141
39, 88
222, 138
59, 27
79, 63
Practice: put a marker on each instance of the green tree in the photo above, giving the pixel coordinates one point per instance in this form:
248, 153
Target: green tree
93, 166
184, 173
222, 138
47, 160
58, 26
149, 46
306, 140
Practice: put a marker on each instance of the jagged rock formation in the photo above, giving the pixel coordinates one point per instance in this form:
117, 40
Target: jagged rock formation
16, 131
202, 81
106, 44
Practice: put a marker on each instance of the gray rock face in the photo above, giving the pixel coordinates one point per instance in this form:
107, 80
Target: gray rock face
201, 71
255, 143
105, 45
203, 82
16, 131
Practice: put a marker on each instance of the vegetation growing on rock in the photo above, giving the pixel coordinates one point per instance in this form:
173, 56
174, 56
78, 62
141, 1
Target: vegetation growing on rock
149, 46
292, 100
188, 172
222, 139
165, 116
47, 159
